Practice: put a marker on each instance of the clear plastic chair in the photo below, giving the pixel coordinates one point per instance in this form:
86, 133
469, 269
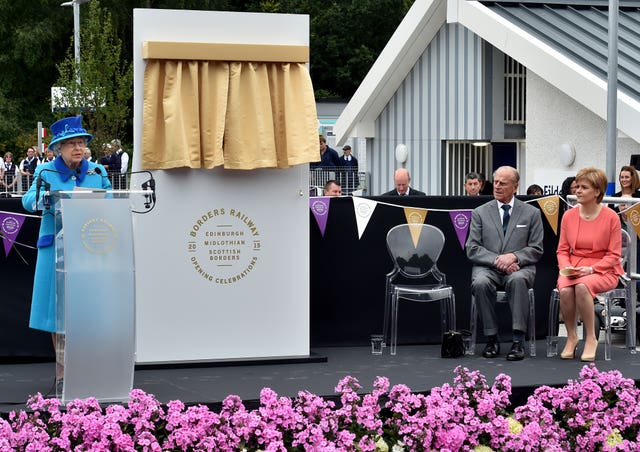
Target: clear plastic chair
622, 291
415, 249
501, 297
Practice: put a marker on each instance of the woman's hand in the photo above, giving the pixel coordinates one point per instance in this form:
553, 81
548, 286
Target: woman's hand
582, 271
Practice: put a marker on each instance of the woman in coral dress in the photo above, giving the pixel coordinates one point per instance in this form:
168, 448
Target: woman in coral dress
589, 258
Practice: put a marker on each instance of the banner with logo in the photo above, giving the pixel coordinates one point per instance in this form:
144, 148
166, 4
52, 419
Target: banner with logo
415, 219
550, 206
363, 209
10, 225
461, 219
633, 215
320, 208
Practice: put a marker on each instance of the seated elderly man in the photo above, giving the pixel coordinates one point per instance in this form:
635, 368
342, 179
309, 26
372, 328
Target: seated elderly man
402, 179
505, 242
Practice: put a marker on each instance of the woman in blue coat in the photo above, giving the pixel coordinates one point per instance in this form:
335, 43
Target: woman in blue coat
66, 172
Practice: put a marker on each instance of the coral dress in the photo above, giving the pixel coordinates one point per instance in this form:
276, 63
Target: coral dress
592, 243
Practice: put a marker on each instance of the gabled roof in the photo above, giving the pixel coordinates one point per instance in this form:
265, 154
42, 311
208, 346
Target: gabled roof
579, 30
408, 42
563, 42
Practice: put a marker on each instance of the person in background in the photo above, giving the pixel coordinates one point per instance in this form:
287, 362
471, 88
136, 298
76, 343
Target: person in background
328, 156
332, 188
472, 184
348, 170
487, 186
401, 179
588, 254
49, 155
504, 245
66, 172
105, 160
568, 188
534, 190
119, 165
28, 167
629, 188
9, 180
87, 154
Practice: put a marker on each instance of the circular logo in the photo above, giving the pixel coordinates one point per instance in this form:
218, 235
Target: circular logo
550, 207
319, 208
10, 226
414, 218
461, 221
634, 216
223, 245
364, 210
98, 236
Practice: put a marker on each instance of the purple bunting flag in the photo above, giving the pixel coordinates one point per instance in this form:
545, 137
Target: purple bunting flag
320, 208
461, 220
9, 228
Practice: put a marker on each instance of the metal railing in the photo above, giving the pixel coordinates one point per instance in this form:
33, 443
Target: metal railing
24, 181
348, 177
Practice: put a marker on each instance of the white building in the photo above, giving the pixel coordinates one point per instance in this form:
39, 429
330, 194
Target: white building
470, 85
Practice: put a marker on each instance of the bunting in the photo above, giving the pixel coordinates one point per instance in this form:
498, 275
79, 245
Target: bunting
363, 209
415, 219
633, 215
461, 220
10, 225
320, 208
550, 206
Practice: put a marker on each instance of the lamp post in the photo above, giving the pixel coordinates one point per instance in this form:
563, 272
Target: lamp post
76, 31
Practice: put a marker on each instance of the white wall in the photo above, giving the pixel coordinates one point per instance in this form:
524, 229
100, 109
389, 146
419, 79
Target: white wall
181, 313
553, 118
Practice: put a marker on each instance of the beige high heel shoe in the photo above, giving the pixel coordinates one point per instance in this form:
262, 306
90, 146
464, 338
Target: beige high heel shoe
566, 355
571, 355
589, 358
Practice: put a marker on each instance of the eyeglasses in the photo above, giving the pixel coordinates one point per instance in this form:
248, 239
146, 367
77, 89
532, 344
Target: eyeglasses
74, 143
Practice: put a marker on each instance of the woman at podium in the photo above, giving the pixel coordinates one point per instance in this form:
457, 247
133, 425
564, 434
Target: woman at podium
66, 172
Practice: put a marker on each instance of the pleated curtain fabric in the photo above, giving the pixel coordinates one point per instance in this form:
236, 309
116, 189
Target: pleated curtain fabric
242, 115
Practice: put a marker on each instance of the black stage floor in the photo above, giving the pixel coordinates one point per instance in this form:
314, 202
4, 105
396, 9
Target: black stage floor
418, 366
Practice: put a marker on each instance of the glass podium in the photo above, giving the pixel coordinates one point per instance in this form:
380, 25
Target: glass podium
95, 305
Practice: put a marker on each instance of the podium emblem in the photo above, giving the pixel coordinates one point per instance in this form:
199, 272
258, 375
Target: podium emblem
98, 236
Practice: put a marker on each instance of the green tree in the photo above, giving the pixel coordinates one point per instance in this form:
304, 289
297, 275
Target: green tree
34, 34
106, 79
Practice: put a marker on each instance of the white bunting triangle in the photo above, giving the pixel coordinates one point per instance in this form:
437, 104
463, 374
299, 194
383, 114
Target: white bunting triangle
363, 208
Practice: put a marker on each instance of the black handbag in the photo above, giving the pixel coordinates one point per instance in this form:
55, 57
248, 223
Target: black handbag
453, 343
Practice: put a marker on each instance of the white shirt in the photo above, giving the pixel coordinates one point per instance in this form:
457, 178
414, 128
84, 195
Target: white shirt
501, 212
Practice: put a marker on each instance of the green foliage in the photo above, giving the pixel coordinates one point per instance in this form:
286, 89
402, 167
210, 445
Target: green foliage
106, 80
346, 37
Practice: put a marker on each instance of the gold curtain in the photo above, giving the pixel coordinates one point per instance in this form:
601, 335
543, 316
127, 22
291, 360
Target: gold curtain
243, 115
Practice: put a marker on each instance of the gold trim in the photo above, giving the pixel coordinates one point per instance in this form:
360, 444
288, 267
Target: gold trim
224, 52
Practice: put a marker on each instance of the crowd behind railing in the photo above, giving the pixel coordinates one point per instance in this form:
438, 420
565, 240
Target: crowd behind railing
16, 178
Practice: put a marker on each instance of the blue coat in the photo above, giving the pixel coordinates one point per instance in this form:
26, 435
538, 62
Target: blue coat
43, 301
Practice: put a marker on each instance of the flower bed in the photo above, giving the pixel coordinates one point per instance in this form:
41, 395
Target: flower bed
598, 412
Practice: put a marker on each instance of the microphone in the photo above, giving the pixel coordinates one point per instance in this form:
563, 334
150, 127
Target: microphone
46, 197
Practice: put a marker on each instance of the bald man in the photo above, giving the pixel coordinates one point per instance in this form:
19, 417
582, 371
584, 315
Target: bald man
401, 179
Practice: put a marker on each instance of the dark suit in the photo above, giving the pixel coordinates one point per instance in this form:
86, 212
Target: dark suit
412, 192
486, 241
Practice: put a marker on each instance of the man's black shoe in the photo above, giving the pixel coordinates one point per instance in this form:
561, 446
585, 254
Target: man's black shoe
517, 352
491, 350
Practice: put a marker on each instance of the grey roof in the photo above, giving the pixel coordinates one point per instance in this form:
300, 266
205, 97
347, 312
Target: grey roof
579, 30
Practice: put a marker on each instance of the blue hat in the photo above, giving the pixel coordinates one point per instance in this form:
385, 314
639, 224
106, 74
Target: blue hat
68, 128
